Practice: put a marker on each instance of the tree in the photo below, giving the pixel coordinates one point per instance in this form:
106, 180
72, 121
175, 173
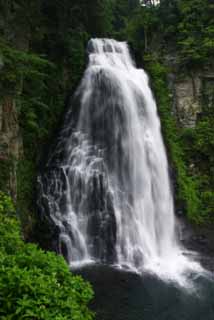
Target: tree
98, 20
196, 32
141, 26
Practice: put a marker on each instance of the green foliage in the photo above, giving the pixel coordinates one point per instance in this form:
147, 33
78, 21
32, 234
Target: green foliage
35, 284
188, 26
25, 76
99, 17
39, 286
195, 35
184, 27
17, 66
6, 204
26, 197
198, 145
75, 43
140, 27
10, 239
207, 198
122, 11
28, 78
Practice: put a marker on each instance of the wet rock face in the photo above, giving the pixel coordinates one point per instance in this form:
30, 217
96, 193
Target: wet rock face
208, 90
191, 93
198, 239
188, 100
11, 146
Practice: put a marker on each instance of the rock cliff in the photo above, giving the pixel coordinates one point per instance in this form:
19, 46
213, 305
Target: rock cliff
11, 147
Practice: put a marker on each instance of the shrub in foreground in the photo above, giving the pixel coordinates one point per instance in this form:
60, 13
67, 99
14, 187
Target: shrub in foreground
34, 284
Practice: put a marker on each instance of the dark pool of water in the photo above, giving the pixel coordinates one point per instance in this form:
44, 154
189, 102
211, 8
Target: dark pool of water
123, 295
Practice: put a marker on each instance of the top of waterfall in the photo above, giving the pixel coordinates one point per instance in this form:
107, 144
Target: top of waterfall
117, 51
106, 45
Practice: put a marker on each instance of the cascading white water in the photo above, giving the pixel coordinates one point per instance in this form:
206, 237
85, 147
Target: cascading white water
107, 187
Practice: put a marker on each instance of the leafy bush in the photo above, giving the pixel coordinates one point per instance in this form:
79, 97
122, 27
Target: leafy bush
6, 204
198, 145
34, 284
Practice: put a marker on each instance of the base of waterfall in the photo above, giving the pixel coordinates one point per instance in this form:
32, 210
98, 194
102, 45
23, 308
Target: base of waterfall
181, 269
123, 295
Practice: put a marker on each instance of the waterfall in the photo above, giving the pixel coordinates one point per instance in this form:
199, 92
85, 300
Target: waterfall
106, 185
